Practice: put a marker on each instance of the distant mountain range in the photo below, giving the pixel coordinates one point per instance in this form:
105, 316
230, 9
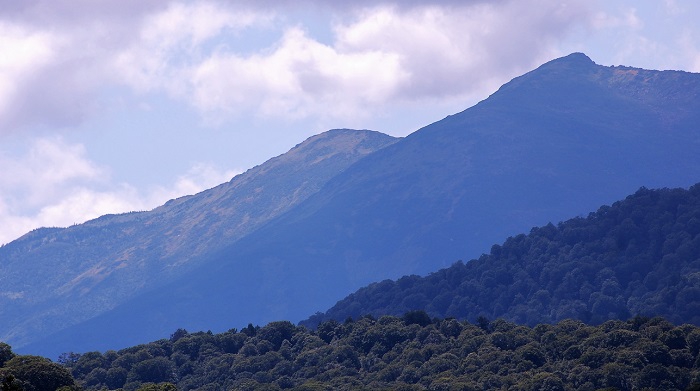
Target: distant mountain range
636, 257
554, 143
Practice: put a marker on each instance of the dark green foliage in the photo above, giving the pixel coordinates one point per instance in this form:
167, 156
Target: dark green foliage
33, 373
418, 317
10, 383
152, 370
277, 332
157, 387
6, 353
179, 333
639, 256
403, 354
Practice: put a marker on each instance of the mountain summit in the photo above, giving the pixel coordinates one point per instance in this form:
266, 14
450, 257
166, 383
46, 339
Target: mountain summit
554, 143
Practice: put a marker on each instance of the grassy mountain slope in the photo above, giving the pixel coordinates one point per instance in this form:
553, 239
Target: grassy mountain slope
53, 278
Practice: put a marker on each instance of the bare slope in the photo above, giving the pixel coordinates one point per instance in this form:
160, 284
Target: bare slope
53, 278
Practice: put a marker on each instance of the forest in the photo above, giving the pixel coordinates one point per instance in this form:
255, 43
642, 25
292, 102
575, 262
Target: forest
638, 256
412, 352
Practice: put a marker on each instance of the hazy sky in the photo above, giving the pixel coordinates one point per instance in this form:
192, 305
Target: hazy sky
118, 105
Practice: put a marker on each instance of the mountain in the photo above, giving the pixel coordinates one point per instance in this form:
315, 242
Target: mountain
556, 142
638, 256
54, 278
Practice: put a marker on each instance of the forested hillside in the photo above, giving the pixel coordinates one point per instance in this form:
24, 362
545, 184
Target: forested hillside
408, 353
638, 256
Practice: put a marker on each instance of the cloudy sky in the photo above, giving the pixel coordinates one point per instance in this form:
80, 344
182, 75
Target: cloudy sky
117, 105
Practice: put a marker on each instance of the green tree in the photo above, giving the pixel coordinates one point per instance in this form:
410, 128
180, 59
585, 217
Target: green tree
6, 353
115, 378
418, 317
154, 370
157, 387
38, 373
10, 383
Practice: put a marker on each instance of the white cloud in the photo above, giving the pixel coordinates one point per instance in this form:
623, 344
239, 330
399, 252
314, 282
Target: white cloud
190, 51
381, 55
451, 51
690, 50
173, 39
672, 7
199, 177
24, 53
626, 18
300, 77
59, 58
34, 184
80, 204
657, 35
48, 165
56, 184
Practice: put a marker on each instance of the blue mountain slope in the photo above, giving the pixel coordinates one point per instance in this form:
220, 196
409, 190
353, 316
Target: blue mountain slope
54, 278
554, 143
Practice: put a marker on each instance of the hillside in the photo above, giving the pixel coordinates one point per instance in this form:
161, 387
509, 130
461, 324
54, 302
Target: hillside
53, 278
411, 352
554, 143
638, 256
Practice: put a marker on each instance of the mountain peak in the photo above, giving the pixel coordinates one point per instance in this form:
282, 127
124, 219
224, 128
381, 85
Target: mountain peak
332, 143
574, 62
565, 70
348, 137
576, 58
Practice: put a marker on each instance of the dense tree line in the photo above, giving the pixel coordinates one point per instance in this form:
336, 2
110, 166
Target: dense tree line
413, 352
32, 373
640, 256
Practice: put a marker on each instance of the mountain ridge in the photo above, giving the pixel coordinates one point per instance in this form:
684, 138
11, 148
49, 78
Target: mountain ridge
139, 249
556, 142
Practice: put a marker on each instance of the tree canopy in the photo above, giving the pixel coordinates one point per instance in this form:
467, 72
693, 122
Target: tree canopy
32, 373
638, 256
411, 352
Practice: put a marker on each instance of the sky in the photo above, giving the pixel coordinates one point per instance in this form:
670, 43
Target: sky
110, 106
